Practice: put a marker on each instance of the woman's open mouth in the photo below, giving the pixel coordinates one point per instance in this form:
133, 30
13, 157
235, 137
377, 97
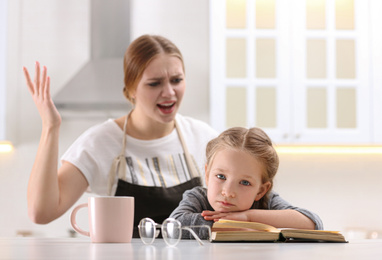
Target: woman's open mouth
166, 107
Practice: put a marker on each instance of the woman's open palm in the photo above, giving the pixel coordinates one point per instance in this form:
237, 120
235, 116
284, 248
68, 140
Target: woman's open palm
40, 91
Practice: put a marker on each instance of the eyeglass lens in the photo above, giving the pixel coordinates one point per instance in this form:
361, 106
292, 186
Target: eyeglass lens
147, 231
171, 231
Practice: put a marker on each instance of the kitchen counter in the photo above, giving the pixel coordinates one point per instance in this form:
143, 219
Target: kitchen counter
82, 248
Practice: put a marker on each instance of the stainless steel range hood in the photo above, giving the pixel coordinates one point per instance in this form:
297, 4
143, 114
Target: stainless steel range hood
98, 85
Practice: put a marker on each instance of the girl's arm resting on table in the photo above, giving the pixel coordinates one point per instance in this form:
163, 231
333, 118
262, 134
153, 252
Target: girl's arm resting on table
287, 218
196, 222
188, 213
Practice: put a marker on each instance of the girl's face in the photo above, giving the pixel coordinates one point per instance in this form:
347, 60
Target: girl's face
234, 181
161, 89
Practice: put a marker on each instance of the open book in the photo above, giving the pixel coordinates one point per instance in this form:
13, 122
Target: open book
230, 230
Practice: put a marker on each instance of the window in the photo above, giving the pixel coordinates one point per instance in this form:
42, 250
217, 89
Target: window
299, 69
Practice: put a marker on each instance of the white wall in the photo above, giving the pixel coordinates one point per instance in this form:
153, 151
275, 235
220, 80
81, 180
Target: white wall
3, 64
343, 190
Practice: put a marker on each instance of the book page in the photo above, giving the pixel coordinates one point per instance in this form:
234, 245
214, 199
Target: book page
224, 223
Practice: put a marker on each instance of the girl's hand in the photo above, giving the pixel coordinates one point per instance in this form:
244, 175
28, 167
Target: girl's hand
216, 215
40, 91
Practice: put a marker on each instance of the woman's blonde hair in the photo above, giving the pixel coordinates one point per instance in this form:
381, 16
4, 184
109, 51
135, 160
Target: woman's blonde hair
139, 54
253, 141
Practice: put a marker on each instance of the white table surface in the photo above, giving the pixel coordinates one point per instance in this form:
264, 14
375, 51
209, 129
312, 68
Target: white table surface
82, 248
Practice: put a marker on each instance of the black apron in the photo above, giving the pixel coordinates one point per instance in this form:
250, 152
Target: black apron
156, 203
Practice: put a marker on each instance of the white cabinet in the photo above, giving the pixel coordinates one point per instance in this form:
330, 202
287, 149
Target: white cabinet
300, 69
376, 79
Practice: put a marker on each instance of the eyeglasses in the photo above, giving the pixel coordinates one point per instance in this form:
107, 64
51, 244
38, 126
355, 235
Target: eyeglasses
171, 231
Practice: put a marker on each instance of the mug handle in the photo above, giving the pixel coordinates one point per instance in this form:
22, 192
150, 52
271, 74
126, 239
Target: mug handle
73, 220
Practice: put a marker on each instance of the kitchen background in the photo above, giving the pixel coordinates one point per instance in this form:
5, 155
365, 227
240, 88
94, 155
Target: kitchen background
344, 189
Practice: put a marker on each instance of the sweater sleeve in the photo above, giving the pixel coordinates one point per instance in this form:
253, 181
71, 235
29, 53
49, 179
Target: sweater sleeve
188, 213
277, 203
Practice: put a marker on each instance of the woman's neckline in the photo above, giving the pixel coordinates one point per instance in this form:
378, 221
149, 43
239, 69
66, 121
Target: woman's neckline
135, 134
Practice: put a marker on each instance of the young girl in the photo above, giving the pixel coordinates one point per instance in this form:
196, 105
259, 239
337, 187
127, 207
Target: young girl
241, 165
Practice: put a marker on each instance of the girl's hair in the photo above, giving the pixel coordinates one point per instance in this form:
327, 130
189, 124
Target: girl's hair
253, 141
139, 54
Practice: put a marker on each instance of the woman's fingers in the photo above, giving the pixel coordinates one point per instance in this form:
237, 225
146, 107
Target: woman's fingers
37, 77
43, 83
40, 85
47, 88
40, 90
28, 81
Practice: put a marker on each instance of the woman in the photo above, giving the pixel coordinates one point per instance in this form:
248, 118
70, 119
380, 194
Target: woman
152, 153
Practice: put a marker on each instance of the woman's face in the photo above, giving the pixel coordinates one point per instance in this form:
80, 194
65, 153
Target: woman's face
161, 89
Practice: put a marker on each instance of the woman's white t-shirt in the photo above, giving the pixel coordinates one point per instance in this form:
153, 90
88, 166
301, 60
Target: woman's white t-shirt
160, 162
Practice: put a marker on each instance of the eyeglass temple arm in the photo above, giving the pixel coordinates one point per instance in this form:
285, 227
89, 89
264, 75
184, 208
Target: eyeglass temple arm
196, 236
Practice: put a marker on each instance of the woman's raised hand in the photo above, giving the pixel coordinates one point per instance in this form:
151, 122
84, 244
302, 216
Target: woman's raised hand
40, 91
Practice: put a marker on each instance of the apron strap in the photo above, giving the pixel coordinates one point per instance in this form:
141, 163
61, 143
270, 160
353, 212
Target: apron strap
191, 166
119, 163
